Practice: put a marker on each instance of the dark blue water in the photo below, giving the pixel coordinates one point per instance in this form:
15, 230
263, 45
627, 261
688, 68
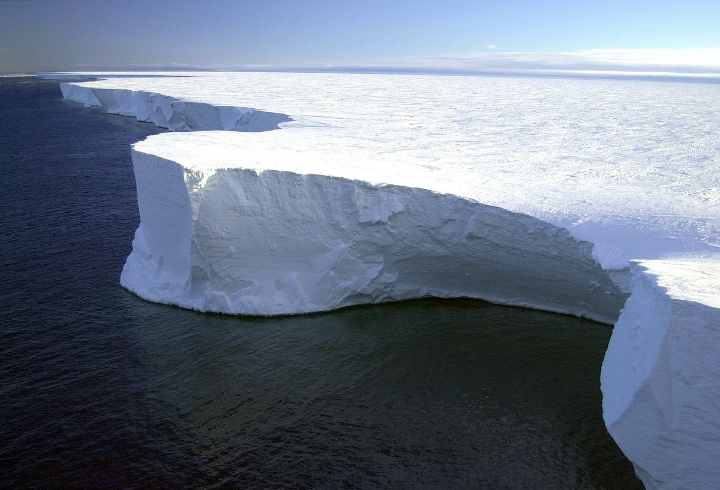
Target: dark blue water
99, 389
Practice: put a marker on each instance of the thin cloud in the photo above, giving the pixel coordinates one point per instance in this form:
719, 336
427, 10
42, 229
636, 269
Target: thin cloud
700, 61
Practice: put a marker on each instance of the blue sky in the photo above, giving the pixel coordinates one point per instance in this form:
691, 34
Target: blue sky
38, 35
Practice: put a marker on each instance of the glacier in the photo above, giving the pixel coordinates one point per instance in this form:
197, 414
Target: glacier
287, 193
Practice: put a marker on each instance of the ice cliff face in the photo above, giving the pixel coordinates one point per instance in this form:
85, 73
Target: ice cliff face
253, 241
661, 375
350, 204
171, 113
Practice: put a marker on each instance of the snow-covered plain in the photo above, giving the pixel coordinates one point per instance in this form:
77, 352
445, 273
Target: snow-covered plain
380, 187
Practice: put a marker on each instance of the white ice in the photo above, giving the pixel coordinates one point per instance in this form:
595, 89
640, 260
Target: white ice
381, 187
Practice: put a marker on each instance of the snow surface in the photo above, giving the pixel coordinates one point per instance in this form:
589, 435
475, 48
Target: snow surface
381, 187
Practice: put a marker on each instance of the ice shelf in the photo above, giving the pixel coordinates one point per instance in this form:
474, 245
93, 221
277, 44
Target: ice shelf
533, 192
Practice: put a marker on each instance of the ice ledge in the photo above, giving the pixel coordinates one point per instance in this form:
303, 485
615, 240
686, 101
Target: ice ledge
248, 240
171, 113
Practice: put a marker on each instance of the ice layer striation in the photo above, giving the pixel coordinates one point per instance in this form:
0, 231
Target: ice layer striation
518, 191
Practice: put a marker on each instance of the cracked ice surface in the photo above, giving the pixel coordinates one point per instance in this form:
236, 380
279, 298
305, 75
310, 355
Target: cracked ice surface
630, 166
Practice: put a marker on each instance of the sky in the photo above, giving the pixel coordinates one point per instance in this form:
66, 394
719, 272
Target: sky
67, 35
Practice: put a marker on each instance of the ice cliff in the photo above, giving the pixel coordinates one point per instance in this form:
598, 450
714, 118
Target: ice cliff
400, 191
237, 238
661, 375
171, 113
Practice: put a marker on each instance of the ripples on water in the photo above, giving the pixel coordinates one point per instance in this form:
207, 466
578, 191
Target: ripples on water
100, 389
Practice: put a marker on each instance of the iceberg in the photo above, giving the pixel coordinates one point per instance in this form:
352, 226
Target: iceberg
290, 193
258, 231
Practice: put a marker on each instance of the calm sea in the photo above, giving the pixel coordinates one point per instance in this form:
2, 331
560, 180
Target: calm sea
100, 389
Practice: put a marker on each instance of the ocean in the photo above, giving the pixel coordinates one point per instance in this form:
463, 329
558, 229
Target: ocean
101, 389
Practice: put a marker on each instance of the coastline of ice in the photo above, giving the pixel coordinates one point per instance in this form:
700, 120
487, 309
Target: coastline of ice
410, 175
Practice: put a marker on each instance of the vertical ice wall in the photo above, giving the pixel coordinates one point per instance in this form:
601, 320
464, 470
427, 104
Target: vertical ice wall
661, 374
169, 112
267, 242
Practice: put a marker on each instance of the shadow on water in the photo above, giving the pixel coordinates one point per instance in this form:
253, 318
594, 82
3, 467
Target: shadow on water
100, 389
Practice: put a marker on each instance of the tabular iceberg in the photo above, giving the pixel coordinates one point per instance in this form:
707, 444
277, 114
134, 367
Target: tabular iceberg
236, 238
416, 186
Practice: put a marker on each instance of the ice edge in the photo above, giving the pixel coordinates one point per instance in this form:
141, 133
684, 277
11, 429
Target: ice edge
171, 113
